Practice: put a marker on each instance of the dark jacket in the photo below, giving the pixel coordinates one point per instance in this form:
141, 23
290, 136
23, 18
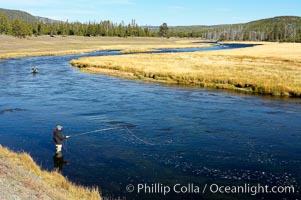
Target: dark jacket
58, 137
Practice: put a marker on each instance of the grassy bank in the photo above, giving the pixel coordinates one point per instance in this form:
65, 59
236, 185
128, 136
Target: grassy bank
12, 47
21, 178
271, 68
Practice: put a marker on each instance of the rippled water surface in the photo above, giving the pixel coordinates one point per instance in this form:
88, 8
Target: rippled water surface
197, 135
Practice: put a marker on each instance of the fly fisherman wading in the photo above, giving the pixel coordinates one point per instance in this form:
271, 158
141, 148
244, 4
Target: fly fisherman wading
58, 138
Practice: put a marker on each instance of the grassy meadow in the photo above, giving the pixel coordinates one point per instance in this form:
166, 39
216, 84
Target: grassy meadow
270, 68
12, 47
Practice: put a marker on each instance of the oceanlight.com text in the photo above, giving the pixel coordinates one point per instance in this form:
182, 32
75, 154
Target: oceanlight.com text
190, 188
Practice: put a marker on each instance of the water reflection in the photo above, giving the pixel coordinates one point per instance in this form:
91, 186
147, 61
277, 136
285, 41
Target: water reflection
59, 162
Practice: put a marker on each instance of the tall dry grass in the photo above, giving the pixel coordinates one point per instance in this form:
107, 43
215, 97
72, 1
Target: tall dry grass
272, 68
21, 169
11, 47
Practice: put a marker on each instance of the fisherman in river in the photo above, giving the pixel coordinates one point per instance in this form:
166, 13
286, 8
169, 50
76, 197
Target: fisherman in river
34, 70
58, 138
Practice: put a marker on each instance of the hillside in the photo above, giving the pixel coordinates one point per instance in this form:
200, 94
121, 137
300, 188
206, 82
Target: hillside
21, 178
256, 23
282, 28
13, 14
25, 16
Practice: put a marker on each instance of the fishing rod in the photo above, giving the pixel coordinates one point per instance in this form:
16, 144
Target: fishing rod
86, 133
114, 128
95, 131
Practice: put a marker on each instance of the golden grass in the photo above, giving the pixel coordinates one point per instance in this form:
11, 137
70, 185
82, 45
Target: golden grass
136, 50
11, 47
271, 68
30, 181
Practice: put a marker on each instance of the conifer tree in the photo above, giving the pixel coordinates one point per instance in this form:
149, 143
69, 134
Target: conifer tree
5, 26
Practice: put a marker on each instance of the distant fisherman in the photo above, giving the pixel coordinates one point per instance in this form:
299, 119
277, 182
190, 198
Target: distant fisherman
34, 70
58, 138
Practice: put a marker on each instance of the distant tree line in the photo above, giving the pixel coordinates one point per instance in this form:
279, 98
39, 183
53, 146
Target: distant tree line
278, 29
20, 28
277, 33
281, 29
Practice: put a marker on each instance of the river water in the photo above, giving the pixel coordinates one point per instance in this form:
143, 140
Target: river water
189, 135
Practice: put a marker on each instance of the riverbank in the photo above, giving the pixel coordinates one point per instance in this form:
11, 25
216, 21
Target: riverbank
12, 47
22, 178
270, 68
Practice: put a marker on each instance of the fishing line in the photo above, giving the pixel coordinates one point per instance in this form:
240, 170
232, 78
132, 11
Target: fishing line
133, 135
114, 128
65, 146
141, 140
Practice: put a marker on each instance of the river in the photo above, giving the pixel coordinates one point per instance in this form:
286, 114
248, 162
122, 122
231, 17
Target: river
176, 134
